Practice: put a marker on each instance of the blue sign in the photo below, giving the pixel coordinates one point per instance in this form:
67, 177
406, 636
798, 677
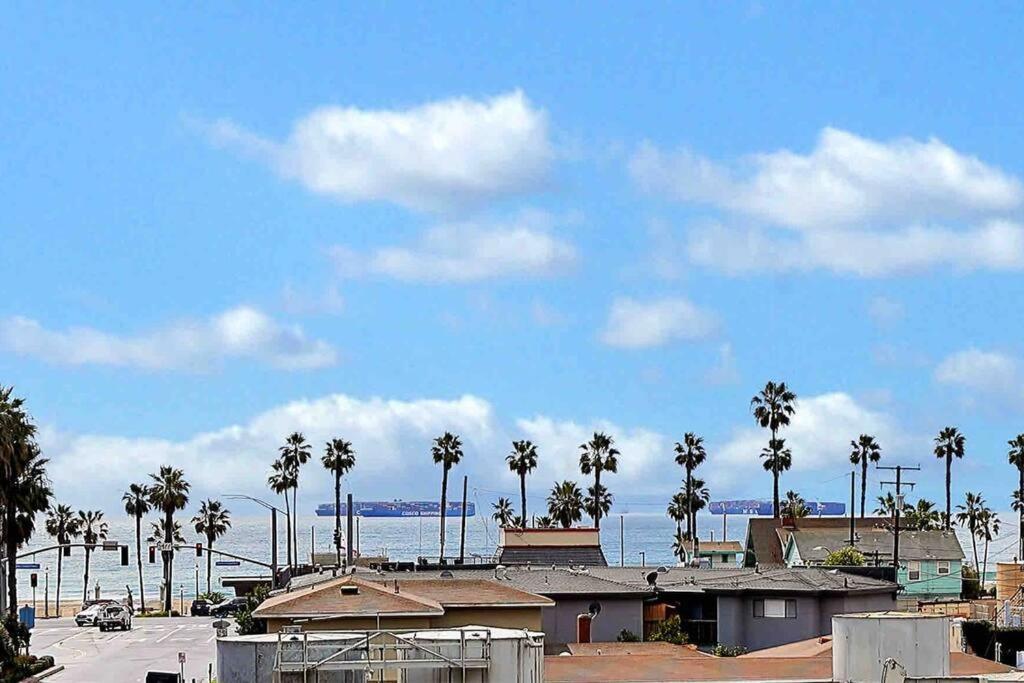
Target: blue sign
228, 563
28, 565
27, 616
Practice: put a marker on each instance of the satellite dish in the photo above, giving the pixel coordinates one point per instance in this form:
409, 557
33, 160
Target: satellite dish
652, 579
446, 574
594, 609
663, 569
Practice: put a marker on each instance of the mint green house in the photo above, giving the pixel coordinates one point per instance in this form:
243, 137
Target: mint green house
930, 561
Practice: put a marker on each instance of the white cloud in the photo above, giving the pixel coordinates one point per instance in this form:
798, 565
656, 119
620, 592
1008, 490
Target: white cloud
724, 371
884, 311
238, 333
634, 324
846, 180
468, 251
819, 437
990, 373
995, 245
438, 156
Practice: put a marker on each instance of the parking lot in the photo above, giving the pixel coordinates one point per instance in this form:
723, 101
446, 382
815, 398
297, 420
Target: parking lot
153, 644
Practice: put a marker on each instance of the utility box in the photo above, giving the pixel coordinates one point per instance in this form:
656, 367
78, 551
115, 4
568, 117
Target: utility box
862, 643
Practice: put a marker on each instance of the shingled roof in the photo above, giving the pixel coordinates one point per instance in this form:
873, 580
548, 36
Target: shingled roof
587, 556
766, 536
935, 544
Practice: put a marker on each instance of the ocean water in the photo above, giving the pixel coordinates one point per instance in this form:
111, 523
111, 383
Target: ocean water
647, 538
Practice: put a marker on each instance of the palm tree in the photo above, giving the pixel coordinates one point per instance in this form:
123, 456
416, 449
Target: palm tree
280, 482
690, 454
970, 516
949, 444
598, 501
677, 508
447, 452
777, 459
886, 505
94, 530
212, 521
294, 454
923, 516
522, 460
62, 524
699, 499
158, 531
565, 503
865, 449
503, 512
599, 455
168, 493
794, 506
136, 505
773, 407
679, 546
545, 522
1016, 457
988, 528
339, 459
24, 487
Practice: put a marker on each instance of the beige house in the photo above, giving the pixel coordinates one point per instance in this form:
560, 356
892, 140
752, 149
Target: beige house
352, 603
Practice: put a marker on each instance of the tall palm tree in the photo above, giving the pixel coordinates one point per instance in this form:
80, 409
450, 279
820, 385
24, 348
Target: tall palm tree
599, 455
522, 460
865, 450
338, 458
94, 530
988, 528
565, 503
280, 482
699, 499
1016, 458
690, 454
923, 516
969, 516
62, 524
679, 546
24, 488
886, 505
158, 531
794, 505
503, 512
137, 506
168, 493
212, 521
949, 444
447, 452
295, 453
777, 459
598, 501
677, 508
773, 407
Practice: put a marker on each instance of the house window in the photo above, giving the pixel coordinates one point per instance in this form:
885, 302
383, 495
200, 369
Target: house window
914, 570
773, 608
942, 567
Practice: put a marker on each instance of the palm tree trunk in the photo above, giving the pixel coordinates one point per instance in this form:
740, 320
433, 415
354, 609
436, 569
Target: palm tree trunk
444, 505
863, 486
288, 530
974, 545
337, 516
12, 565
60, 566
984, 565
522, 494
295, 519
169, 560
85, 579
597, 506
689, 503
209, 564
1020, 514
138, 556
775, 477
949, 465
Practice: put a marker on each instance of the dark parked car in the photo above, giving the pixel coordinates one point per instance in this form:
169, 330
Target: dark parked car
200, 608
228, 608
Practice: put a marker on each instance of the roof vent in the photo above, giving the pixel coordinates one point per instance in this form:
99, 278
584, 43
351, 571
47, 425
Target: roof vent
350, 589
446, 574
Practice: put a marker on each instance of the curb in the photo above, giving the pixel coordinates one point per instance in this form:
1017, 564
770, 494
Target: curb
56, 669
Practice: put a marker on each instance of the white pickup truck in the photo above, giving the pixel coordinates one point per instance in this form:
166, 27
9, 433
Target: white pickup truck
115, 616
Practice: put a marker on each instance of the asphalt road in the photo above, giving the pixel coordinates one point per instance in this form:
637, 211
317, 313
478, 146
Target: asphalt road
153, 644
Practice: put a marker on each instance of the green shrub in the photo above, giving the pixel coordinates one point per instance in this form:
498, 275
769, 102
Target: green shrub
245, 623
729, 650
213, 596
669, 631
627, 636
847, 556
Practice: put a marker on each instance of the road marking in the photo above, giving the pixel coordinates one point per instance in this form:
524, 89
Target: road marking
168, 635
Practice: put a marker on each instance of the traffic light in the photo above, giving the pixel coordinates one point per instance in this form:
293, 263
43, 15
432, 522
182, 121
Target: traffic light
152, 554
67, 551
124, 556
199, 549
34, 581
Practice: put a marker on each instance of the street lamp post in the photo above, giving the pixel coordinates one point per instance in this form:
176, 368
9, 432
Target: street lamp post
197, 580
273, 529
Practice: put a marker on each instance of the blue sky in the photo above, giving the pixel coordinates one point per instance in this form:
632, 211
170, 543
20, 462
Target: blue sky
382, 222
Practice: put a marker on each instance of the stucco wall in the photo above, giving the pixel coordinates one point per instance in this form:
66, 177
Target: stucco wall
525, 617
559, 622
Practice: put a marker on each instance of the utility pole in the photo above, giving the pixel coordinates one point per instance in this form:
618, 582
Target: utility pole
853, 504
899, 484
462, 528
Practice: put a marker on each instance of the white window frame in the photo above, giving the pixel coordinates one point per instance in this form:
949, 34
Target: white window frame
775, 608
942, 567
913, 570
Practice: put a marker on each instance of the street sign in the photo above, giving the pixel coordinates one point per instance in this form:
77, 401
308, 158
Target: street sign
181, 658
228, 563
110, 545
28, 565
167, 547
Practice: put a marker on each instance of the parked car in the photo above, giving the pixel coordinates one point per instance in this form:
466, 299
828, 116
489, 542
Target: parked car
200, 607
90, 616
115, 617
229, 607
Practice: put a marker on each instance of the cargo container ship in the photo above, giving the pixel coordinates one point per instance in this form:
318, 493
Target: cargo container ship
764, 508
397, 508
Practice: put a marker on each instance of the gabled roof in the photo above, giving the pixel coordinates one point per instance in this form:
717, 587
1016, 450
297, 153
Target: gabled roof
719, 547
587, 556
937, 544
766, 536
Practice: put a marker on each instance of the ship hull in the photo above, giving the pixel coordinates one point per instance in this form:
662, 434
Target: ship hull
397, 508
764, 508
